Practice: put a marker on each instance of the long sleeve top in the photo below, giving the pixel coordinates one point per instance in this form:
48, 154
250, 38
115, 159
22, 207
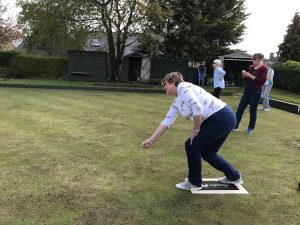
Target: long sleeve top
219, 74
260, 77
192, 100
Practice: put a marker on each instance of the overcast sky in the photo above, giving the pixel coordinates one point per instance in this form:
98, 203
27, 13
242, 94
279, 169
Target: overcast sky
266, 26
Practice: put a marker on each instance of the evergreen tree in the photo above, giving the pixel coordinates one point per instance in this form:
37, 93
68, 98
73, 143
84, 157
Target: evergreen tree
290, 48
193, 29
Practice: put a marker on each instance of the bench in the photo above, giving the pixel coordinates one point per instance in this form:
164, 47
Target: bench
80, 73
4, 73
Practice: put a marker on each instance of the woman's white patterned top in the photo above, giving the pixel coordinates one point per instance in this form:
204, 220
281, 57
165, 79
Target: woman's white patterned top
192, 100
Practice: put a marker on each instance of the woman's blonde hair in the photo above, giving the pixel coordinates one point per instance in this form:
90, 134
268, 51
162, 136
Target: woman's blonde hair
172, 78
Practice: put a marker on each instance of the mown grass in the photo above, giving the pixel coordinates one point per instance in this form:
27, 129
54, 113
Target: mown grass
75, 83
279, 94
74, 157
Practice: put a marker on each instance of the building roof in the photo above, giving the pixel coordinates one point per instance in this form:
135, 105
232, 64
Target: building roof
237, 55
100, 44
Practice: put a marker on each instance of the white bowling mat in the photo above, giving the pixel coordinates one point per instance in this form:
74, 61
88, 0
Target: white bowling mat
213, 186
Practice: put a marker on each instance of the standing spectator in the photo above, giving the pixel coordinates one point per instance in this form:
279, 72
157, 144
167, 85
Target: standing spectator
219, 74
254, 80
201, 74
267, 87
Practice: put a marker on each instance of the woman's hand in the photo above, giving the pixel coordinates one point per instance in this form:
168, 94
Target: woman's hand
147, 143
155, 136
247, 74
193, 134
244, 73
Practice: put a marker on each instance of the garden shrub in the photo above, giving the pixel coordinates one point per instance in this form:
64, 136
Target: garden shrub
5, 57
38, 67
287, 76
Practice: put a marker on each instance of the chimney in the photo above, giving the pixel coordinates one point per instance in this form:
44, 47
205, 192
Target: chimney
271, 55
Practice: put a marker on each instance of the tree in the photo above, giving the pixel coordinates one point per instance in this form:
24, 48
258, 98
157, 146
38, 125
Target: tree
176, 28
119, 19
52, 22
290, 48
9, 31
47, 26
193, 29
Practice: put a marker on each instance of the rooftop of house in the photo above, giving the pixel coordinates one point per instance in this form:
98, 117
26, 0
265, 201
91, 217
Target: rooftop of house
237, 55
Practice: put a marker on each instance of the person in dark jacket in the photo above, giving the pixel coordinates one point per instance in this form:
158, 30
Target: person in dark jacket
201, 74
254, 80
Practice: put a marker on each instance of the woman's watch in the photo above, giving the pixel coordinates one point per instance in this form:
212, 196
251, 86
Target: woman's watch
196, 130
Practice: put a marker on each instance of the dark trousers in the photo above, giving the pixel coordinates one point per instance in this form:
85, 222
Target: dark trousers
250, 97
214, 131
201, 82
217, 92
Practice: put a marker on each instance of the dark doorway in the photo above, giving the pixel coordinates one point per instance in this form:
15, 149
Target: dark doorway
233, 70
135, 64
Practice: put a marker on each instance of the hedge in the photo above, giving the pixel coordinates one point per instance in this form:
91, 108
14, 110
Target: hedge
287, 76
6, 56
37, 67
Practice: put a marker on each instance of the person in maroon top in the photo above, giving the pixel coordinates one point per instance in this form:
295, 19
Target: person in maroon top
254, 80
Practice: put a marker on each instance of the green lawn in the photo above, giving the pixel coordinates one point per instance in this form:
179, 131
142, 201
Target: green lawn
74, 83
74, 157
275, 93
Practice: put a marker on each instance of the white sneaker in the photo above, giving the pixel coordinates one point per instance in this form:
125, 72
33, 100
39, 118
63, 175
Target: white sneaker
266, 109
187, 186
235, 129
224, 180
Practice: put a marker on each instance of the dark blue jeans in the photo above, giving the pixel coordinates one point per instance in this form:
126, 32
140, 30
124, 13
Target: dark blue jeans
201, 82
214, 131
217, 92
250, 97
